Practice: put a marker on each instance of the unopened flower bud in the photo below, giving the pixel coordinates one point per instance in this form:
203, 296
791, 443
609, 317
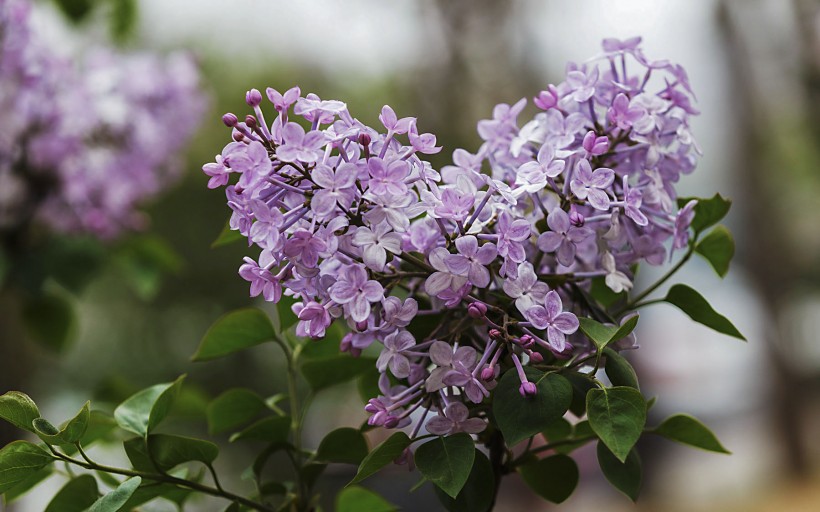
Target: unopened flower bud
527, 389
487, 374
361, 326
237, 136
526, 341
251, 121
576, 219
495, 333
547, 99
477, 310
253, 97
230, 120
364, 139
391, 422
536, 357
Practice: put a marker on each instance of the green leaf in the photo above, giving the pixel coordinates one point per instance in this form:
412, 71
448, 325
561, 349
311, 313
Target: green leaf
558, 430
477, 493
123, 18
75, 10
50, 321
698, 309
28, 484
235, 331
447, 461
381, 456
18, 409
619, 371
145, 261
718, 247
345, 445
114, 500
273, 429
232, 409
227, 236
602, 335
325, 373
170, 451
519, 417
688, 430
143, 411
285, 317
708, 212
326, 347
624, 476
553, 478
358, 499
75, 496
618, 416
19, 460
580, 387
69, 433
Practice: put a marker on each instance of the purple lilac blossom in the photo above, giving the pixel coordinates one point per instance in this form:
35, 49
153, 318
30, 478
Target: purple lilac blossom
493, 252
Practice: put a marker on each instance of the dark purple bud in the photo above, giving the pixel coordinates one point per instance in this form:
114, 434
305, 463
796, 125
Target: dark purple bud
595, 145
527, 389
495, 334
477, 310
251, 122
364, 139
355, 352
487, 374
526, 341
361, 326
576, 219
237, 136
230, 120
536, 357
253, 97
391, 422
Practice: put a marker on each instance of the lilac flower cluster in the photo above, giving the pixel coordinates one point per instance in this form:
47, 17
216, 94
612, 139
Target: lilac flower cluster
499, 249
86, 140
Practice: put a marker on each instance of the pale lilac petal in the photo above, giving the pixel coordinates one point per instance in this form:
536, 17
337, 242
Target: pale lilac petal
566, 253
538, 316
359, 309
457, 412
558, 220
400, 366
441, 353
439, 426
473, 425
566, 323
598, 199
549, 241
553, 304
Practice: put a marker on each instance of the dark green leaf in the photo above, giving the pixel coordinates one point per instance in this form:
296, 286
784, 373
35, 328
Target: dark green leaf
447, 461
227, 236
624, 476
273, 429
381, 456
519, 417
688, 430
28, 484
558, 430
311, 472
553, 478
324, 373
618, 416
232, 409
143, 411
345, 445
580, 387
477, 493
619, 371
359, 499
19, 410
170, 451
144, 261
698, 309
602, 335
285, 316
19, 460
69, 433
708, 212
75, 10
75, 496
718, 247
50, 321
326, 347
114, 500
123, 18
367, 384
235, 331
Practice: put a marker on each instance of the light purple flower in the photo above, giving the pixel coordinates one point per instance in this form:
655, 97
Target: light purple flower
299, 146
304, 247
376, 243
682, 222
447, 358
526, 289
262, 280
472, 260
563, 238
455, 204
454, 419
393, 356
392, 123
591, 185
582, 84
532, 176
511, 237
622, 114
314, 319
355, 291
265, 231
337, 188
444, 278
633, 198
558, 323
387, 177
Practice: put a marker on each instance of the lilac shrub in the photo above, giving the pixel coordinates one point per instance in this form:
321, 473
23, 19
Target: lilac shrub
87, 140
484, 308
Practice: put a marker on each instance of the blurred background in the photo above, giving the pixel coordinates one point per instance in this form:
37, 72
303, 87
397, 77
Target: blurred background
755, 67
